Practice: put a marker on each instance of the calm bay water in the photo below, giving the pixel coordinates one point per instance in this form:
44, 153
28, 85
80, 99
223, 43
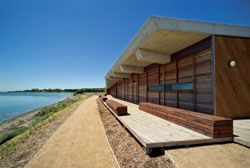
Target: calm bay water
13, 104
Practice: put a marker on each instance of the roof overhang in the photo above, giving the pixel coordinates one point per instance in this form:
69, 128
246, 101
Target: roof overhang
161, 37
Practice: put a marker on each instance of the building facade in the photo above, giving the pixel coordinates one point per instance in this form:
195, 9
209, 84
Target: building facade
186, 64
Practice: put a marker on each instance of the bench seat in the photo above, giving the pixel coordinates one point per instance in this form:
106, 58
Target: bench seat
118, 108
103, 98
210, 125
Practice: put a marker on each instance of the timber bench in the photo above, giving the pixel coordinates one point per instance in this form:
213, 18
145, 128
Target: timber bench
210, 125
103, 98
118, 108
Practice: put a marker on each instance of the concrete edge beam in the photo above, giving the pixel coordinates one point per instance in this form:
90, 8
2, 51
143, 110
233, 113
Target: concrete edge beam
152, 57
196, 26
131, 69
121, 75
115, 78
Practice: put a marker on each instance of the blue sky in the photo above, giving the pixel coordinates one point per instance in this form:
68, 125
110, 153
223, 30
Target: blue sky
72, 44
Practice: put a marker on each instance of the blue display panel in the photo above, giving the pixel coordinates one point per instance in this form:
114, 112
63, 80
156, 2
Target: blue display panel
168, 87
182, 86
174, 87
156, 88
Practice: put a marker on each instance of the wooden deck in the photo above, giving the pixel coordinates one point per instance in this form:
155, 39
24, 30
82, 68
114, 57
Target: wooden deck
154, 132
242, 132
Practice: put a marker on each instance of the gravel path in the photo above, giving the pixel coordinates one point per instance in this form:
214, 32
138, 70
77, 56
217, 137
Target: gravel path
80, 142
219, 155
126, 149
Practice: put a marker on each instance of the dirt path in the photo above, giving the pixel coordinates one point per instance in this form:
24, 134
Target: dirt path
220, 155
19, 155
80, 142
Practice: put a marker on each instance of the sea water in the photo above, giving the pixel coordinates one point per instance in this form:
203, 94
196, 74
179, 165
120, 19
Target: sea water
13, 104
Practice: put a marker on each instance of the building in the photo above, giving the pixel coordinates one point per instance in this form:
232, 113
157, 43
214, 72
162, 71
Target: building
200, 66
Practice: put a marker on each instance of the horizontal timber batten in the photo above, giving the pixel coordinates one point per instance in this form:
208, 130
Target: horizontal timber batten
212, 126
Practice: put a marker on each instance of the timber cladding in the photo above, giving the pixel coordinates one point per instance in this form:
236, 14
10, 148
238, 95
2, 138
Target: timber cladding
119, 89
191, 65
135, 88
232, 83
153, 75
130, 89
143, 87
112, 90
126, 89
170, 77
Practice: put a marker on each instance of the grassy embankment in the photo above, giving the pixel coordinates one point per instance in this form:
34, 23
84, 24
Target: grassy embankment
46, 114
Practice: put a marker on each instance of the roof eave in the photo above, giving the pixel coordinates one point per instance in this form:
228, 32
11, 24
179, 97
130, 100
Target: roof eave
182, 25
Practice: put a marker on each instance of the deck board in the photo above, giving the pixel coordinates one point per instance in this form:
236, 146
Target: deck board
242, 132
152, 131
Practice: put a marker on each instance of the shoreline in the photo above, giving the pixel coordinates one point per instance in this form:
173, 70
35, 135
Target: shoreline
20, 115
22, 120
19, 151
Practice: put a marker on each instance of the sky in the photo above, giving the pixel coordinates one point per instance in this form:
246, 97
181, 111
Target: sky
74, 43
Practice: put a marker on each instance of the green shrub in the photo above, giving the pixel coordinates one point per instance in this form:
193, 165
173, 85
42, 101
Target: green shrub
45, 113
85, 90
11, 134
48, 111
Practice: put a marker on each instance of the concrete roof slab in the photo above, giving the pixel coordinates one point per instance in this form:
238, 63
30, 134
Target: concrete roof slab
169, 35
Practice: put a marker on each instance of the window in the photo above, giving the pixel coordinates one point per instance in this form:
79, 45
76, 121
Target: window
156, 88
182, 86
168, 87
174, 87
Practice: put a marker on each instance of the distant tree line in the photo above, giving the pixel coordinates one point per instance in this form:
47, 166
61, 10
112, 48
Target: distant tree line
82, 90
